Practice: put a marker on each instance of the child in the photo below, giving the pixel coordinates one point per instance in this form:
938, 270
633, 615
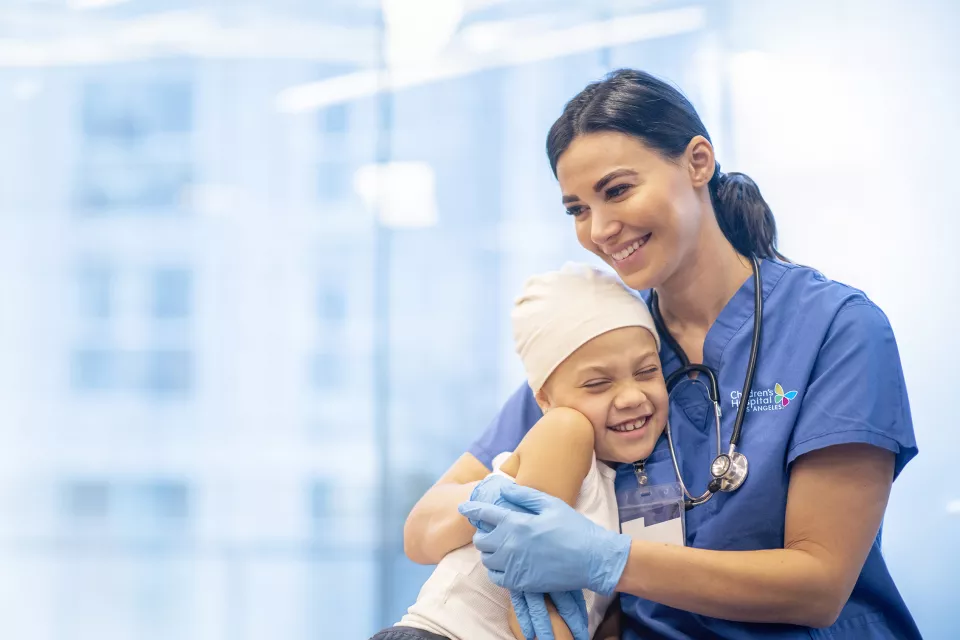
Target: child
590, 351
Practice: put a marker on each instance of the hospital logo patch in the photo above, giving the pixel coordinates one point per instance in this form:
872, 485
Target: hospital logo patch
781, 396
773, 399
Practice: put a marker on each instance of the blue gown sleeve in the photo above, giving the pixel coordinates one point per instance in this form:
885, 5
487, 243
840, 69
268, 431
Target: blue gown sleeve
856, 392
508, 428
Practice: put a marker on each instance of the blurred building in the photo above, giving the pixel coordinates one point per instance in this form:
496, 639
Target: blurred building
251, 306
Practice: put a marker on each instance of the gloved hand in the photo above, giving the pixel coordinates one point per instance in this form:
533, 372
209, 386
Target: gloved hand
530, 607
534, 619
553, 548
488, 490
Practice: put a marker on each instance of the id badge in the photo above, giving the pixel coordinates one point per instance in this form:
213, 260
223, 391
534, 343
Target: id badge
653, 512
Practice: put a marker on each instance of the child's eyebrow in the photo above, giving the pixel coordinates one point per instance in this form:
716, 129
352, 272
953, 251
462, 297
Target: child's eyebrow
603, 369
594, 368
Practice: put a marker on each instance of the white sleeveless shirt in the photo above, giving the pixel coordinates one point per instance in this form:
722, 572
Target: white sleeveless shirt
458, 600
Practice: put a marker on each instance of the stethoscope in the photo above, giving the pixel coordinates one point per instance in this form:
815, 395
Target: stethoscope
728, 470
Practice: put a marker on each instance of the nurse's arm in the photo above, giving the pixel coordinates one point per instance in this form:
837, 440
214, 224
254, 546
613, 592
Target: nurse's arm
835, 505
435, 527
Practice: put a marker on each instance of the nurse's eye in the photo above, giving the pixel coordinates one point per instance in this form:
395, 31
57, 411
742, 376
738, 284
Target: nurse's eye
575, 210
617, 191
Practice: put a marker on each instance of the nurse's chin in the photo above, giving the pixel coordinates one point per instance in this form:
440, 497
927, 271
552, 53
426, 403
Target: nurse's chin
640, 279
648, 275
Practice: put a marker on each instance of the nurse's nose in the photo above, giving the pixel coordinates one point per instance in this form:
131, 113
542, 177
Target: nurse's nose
604, 227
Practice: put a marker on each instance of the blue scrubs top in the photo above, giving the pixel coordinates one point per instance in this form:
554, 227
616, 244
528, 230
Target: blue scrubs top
835, 349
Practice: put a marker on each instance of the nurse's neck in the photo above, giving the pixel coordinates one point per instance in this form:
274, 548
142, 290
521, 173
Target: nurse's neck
693, 297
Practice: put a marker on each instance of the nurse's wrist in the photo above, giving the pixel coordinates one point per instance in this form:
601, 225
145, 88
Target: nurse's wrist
609, 559
639, 576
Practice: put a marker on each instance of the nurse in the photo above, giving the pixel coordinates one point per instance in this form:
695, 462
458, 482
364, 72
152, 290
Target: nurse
795, 551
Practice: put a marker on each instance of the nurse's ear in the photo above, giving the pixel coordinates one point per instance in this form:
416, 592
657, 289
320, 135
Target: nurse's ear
543, 401
700, 161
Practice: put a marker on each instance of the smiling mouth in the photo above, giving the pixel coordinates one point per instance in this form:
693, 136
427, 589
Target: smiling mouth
631, 425
623, 254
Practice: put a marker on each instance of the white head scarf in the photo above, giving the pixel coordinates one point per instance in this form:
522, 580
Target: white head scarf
560, 311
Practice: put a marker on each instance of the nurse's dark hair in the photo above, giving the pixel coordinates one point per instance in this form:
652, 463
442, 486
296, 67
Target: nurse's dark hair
638, 104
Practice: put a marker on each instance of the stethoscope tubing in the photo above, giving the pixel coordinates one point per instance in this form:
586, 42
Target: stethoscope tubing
734, 473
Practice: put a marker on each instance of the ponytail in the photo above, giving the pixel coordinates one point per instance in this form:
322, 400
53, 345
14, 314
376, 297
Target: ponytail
743, 215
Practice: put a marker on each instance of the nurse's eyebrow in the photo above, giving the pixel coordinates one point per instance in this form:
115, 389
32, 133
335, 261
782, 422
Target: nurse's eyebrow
602, 182
613, 175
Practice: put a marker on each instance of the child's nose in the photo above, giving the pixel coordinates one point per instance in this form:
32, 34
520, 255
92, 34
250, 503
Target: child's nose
630, 395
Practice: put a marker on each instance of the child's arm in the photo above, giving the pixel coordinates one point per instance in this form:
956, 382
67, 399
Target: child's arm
554, 457
560, 629
609, 629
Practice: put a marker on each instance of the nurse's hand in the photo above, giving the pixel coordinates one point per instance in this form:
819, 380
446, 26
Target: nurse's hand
488, 490
530, 607
534, 618
552, 548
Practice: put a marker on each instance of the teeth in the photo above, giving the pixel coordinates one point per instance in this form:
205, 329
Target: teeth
630, 426
622, 255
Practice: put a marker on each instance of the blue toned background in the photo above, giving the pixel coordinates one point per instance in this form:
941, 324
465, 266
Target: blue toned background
256, 262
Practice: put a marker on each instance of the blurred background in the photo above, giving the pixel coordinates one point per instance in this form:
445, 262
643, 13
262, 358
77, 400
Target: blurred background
257, 257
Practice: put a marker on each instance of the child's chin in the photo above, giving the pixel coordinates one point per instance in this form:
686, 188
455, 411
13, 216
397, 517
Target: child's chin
629, 455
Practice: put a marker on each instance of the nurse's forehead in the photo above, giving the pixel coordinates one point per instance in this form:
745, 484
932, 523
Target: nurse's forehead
591, 156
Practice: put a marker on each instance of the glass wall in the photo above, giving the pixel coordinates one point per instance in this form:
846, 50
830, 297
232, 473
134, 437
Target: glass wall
257, 260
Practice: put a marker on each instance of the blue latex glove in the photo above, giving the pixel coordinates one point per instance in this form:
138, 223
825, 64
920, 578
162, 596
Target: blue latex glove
553, 548
534, 619
488, 490
530, 607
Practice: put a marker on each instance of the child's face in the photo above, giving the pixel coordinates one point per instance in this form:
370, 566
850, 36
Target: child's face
616, 382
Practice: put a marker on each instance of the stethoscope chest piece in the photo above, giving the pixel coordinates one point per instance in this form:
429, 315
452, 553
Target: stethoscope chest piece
730, 470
